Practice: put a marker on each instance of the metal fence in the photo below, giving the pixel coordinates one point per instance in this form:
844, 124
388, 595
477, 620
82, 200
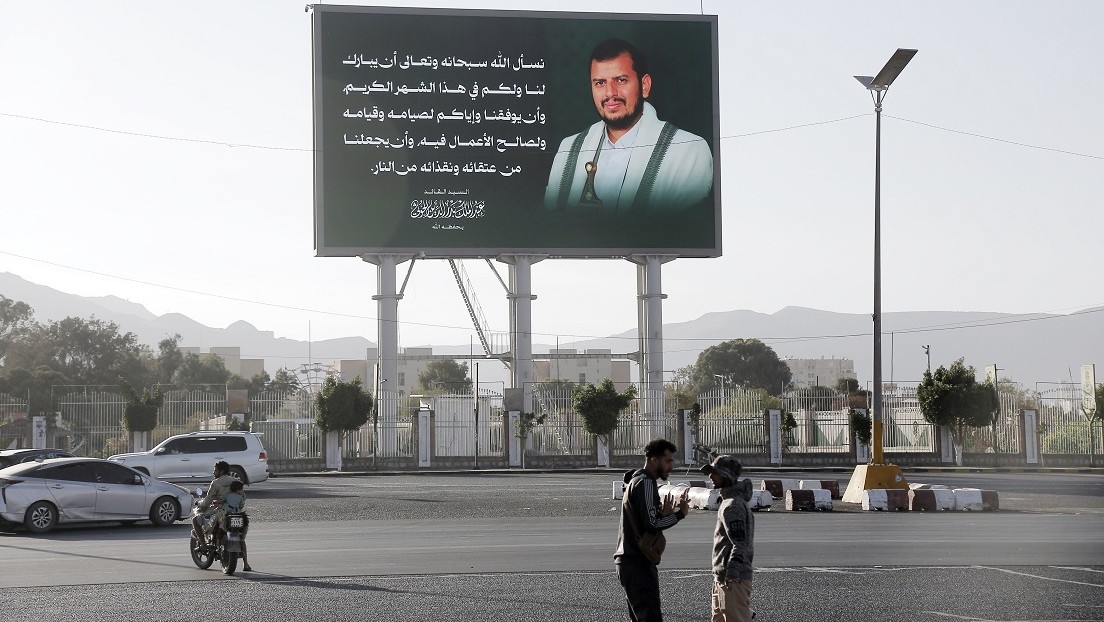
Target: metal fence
1063, 427
90, 418
286, 419
462, 430
89, 421
14, 425
562, 432
731, 421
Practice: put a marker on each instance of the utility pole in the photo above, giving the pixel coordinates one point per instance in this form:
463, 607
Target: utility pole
927, 352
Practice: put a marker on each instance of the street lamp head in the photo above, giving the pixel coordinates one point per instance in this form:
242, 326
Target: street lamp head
893, 68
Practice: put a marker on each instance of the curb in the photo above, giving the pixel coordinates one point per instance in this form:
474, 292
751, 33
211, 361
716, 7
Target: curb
674, 472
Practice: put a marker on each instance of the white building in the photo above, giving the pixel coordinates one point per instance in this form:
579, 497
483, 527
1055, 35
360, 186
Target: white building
592, 366
820, 372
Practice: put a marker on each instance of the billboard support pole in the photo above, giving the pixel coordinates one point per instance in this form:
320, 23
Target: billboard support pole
649, 271
387, 299
521, 307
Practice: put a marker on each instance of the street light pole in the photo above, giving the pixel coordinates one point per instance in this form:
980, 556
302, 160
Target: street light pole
927, 352
879, 476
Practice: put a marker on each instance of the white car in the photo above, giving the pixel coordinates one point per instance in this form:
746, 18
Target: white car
188, 458
41, 494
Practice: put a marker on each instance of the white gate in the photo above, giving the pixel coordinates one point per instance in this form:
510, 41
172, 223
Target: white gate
775, 418
1031, 435
425, 449
514, 418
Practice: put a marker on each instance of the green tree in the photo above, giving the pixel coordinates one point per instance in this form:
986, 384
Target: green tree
85, 351
285, 381
747, 363
342, 406
169, 358
35, 385
16, 318
953, 397
445, 376
89, 352
527, 422
205, 369
140, 411
599, 406
861, 425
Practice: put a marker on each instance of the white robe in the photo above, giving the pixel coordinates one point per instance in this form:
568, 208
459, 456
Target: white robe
683, 179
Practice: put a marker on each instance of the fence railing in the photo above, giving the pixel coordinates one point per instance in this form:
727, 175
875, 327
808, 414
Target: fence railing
89, 421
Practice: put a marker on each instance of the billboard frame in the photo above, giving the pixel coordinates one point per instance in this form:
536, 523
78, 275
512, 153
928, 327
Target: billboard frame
323, 249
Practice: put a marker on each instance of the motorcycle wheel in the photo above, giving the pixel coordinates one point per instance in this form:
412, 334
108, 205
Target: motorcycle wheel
229, 562
203, 558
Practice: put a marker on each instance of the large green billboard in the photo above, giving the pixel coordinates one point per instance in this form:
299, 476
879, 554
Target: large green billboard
460, 133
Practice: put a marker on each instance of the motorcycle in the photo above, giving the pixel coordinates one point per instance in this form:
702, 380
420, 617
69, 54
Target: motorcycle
224, 542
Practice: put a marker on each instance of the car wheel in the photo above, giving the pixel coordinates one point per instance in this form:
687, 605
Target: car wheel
164, 511
238, 473
41, 517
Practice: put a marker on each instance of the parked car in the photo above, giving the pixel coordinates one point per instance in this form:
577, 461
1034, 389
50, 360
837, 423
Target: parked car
188, 458
9, 457
40, 495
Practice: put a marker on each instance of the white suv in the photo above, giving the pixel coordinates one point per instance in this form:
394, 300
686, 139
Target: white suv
187, 458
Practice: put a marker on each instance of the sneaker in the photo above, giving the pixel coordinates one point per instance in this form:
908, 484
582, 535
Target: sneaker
247, 568
752, 612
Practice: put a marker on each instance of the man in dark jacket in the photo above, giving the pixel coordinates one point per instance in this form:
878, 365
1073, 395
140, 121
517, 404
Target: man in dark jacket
733, 542
641, 512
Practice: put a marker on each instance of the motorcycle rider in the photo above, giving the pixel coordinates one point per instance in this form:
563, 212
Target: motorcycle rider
216, 493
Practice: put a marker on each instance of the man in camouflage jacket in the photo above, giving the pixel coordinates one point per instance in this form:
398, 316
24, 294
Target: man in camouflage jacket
733, 542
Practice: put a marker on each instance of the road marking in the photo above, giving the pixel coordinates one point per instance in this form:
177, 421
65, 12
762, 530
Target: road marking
973, 619
1035, 576
1078, 568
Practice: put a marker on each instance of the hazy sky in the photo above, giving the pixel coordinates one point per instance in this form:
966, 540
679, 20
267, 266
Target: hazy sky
165, 206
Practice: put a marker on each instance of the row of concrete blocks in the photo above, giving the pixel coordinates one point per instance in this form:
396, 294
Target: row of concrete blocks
922, 498
779, 487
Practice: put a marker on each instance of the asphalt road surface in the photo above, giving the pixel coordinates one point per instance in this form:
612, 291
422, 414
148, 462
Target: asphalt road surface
538, 546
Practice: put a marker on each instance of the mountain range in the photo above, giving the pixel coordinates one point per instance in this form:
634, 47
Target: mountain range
1028, 348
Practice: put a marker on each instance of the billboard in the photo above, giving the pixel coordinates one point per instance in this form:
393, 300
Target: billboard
466, 133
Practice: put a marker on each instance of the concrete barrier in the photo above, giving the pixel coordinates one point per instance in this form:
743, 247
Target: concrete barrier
778, 487
760, 500
975, 500
931, 500
818, 499
705, 498
885, 500
915, 486
831, 485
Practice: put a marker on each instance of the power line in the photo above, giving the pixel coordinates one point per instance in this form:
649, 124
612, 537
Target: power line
222, 143
999, 140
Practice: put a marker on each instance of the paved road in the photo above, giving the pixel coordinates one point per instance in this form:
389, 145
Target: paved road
513, 547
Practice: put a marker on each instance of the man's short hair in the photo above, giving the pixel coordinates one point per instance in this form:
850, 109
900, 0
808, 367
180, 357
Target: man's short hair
612, 48
658, 447
223, 466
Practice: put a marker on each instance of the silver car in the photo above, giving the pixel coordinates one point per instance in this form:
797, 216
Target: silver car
40, 495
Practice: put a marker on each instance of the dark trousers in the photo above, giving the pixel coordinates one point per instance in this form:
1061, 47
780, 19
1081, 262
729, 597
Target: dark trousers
641, 582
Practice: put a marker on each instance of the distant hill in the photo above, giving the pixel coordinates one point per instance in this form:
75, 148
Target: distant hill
278, 352
1026, 348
